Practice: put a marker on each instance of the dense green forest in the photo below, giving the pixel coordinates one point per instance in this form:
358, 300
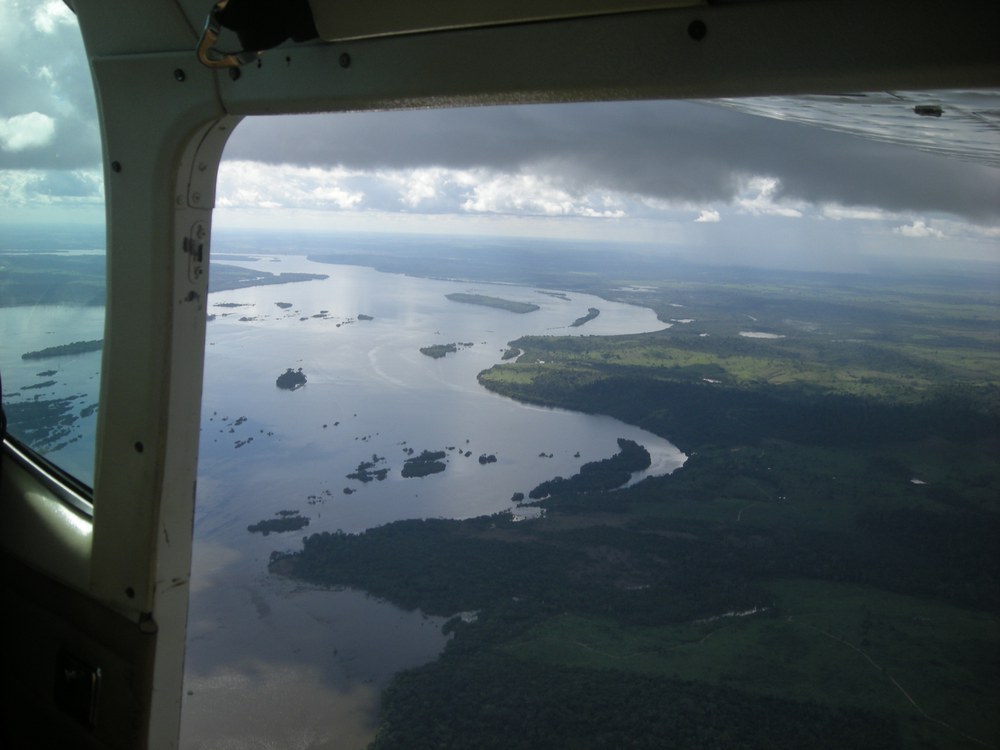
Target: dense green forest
606, 474
822, 572
592, 313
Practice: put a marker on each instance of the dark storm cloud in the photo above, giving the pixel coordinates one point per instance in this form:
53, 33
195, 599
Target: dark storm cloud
670, 150
676, 151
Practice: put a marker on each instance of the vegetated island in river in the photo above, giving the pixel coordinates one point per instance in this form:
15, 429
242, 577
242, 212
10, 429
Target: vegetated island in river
497, 302
367, 471
291, 380
39, 386
592, 312
287, 520
428, 462
226, 278
436, 351
65, 350
606, 474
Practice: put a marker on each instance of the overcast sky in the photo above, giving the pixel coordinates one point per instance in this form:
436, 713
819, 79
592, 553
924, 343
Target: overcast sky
685, 176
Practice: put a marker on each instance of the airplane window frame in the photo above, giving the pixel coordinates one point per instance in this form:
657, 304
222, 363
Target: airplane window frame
144, 482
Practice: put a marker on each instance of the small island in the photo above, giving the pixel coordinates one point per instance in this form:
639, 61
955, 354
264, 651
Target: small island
428, 462
65, 350
487, 459
599, 475
226, 278
592, 312
291, 380
287, 520
362, 316
436, 351
497, 302
43, 384
366, 471
511, 353
283, 305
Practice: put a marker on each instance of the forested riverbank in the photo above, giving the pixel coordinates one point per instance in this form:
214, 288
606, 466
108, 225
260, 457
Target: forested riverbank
829, 521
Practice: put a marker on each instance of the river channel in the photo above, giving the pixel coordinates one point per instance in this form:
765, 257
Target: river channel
272, 662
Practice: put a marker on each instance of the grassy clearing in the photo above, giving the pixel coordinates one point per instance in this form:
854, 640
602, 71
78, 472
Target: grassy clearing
892, 371
835, 644
861, 337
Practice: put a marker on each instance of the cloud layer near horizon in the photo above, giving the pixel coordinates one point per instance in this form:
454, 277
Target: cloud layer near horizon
670, 151
667, 172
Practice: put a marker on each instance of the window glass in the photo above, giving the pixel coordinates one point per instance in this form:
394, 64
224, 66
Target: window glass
596, 425
52, 238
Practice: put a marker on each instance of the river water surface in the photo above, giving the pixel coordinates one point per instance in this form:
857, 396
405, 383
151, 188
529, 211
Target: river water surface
273, 663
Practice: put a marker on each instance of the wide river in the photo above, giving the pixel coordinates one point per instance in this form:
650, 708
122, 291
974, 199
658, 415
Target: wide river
273, 663
276, 664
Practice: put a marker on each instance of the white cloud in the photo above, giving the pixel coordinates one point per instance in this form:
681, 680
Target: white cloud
517, 193
918, 229
956, 228
248, 184
531, 194
425, 190
51, 15
429, 189
15, 187
418, 186
24, 188
837, 212
23, 132
756, 198
336, 196
534, 203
